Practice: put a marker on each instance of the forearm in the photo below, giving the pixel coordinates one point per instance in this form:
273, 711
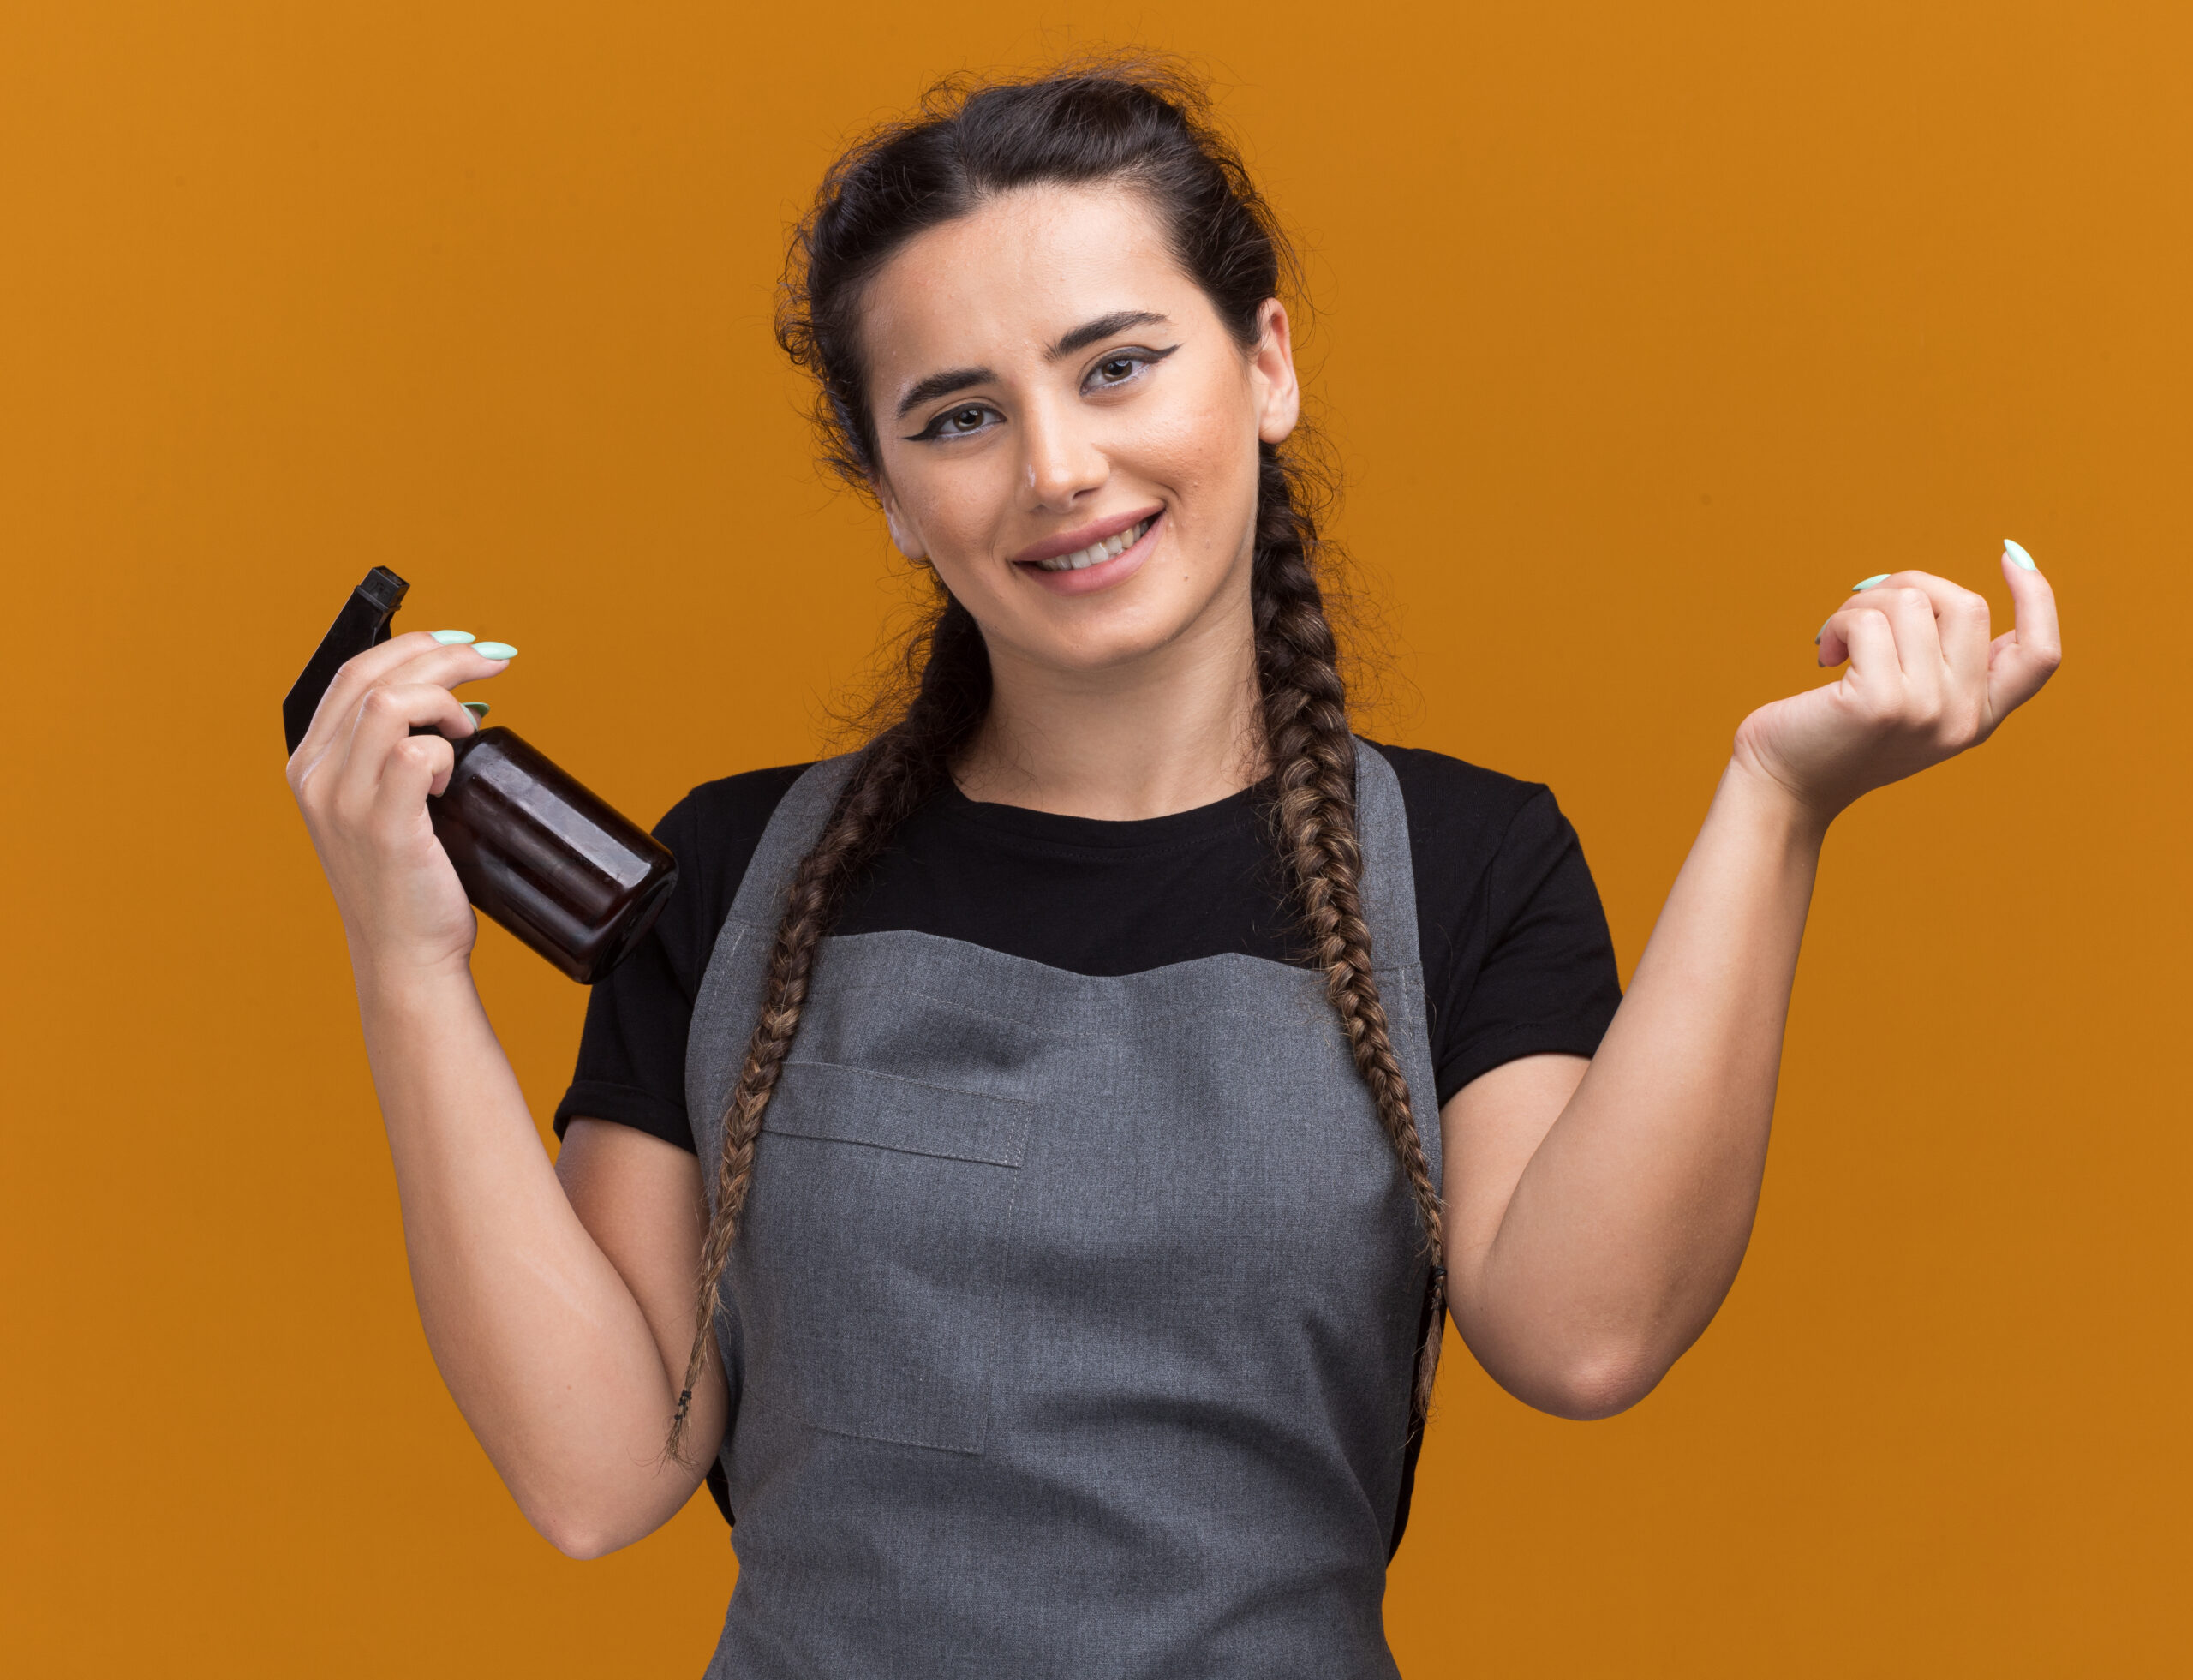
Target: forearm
1625, 1229
543, 1343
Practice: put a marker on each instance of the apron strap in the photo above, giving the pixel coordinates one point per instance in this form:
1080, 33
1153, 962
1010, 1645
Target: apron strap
793, 829
1389, 890
731, 988
1388, 882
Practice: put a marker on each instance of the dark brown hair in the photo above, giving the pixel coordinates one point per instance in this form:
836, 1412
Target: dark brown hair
1149, 129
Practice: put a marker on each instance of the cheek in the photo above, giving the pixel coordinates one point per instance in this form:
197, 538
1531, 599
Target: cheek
1206, 453
955, 506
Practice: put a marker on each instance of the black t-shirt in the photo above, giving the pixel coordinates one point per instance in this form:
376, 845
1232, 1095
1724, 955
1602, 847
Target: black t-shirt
1517, 959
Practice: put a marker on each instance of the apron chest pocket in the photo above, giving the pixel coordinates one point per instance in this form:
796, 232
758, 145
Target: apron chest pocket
880, 1226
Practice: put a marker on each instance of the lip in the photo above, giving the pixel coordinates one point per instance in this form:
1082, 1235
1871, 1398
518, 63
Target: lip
1073, 542
1105, 573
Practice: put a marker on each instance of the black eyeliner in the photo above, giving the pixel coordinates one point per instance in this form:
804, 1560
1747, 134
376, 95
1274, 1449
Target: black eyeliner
928, 434
1151, 357
1156, 356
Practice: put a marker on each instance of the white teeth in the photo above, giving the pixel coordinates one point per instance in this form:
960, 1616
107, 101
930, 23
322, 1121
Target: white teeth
1110, 548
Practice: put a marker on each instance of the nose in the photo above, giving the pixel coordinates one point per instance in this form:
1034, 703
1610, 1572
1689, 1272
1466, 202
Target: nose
1061, 462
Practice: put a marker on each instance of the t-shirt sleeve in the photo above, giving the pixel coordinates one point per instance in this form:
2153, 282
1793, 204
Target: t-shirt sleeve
1544, 980
631, 1060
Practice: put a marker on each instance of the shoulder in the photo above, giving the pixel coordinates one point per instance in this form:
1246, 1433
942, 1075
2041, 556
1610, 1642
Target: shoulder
1517, 959
1483, 845
712, 833
1458, 809
730, 812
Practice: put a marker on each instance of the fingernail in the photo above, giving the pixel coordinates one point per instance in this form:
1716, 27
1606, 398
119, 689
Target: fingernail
1867, 583
1822, 631
478, 708
494, 649
447, 636
2017, 556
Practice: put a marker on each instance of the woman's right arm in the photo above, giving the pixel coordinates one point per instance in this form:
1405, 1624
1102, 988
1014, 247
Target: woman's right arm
557, 1298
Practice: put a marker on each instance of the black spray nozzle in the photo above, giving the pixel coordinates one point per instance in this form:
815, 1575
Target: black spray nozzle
361, 623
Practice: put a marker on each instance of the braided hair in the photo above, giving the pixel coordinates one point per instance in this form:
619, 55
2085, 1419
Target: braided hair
1147, 129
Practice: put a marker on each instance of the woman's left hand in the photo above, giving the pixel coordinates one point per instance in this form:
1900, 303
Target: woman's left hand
1923, 682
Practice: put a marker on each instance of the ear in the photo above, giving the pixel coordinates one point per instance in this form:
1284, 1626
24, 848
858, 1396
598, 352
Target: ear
1271, 371
903, 538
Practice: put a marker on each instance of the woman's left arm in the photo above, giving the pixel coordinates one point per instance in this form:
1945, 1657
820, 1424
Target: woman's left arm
1596, 1212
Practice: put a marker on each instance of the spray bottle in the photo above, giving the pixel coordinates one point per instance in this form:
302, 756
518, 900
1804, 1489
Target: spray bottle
537, 852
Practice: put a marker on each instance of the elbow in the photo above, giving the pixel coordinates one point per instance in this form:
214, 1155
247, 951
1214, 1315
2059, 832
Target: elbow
589, 1511
580, 1541
1599, 1383
578, 1534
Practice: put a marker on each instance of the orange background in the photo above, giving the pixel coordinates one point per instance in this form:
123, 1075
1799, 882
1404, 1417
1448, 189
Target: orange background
1644, 330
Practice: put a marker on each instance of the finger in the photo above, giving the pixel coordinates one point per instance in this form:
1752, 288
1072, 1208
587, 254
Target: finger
448, 667
385, 663
420, 660
1831, 646
2027, 654
1960, 619
385, 719
1836, 640
355, 675
416, 769
1833, 640
1875, 677
1910, 614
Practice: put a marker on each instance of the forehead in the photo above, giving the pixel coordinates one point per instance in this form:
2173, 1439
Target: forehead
998, 284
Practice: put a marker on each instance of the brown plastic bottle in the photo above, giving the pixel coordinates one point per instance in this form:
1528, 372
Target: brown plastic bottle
550, 860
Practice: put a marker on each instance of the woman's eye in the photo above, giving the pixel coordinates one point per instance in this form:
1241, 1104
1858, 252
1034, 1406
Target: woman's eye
958, 422
1126, 367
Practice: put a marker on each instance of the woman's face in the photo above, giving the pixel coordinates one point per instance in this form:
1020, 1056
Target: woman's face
1066, 431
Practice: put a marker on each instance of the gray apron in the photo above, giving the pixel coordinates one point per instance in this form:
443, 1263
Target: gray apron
1071, 1327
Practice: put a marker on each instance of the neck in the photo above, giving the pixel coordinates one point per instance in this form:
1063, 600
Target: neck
1175, 729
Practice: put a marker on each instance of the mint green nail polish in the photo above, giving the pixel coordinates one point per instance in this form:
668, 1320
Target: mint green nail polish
1822, 631
1867, 583
478, 709
446, 637
495, 650
2017, 556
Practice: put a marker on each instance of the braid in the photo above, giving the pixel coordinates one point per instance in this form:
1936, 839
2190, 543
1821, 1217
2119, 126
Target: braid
1313, 809
895, 772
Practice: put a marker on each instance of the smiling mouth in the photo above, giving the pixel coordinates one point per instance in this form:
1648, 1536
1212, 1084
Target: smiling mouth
1096, 553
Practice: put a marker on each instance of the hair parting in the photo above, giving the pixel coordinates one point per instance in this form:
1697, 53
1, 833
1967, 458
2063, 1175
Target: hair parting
1148, 127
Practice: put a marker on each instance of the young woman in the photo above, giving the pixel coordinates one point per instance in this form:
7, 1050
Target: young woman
1032, 1158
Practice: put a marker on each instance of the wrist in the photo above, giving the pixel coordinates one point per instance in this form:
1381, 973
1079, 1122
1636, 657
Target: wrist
397, 986
1764, 800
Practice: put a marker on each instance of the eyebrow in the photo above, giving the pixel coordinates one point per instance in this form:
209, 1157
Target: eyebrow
929, 389
1102, 327
941, 385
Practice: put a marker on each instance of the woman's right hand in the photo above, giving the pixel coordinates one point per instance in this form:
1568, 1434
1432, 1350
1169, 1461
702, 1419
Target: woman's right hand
362, 778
